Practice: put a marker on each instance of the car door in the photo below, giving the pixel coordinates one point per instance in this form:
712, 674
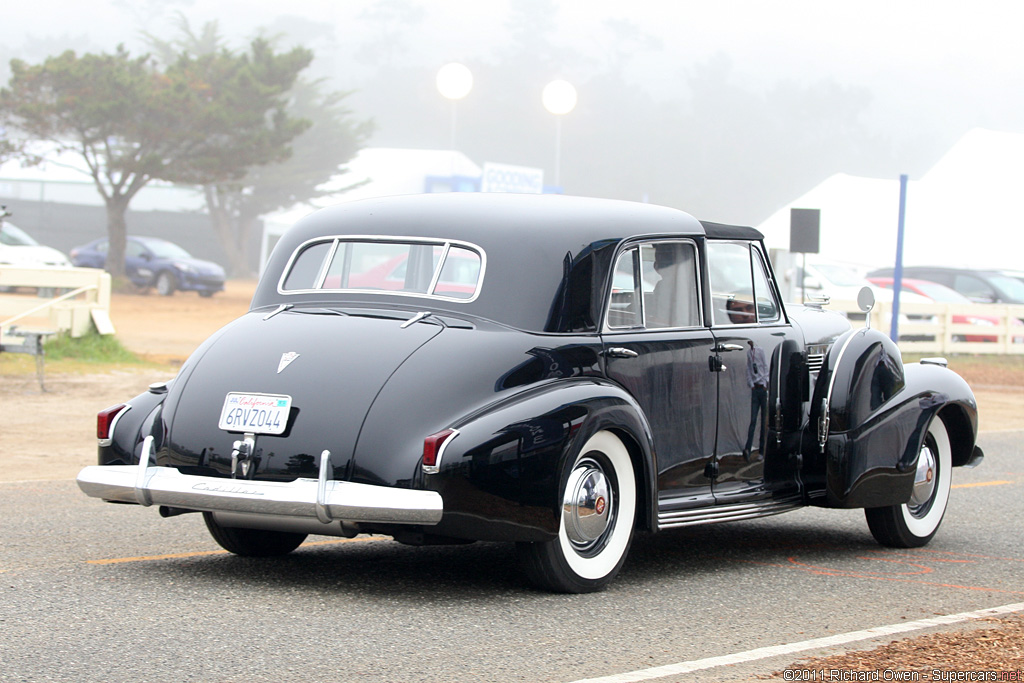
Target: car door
752, 344
657, 346
137, 263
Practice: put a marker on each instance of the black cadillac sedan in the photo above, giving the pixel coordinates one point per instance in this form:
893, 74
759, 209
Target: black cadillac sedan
552, 371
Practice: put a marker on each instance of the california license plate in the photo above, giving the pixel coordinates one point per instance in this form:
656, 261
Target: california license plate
255, 413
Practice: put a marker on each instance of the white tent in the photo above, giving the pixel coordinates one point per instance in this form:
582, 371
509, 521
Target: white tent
964, 212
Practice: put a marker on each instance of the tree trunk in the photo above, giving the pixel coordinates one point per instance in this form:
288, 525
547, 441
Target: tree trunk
234, 228
117, 234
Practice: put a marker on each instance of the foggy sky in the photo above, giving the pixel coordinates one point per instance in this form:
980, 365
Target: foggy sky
920, 73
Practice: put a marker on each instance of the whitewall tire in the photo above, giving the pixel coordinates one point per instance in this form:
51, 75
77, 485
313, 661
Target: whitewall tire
596, 527
915, 522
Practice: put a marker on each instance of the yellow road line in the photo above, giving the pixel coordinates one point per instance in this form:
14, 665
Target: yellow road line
980, 483
200, 553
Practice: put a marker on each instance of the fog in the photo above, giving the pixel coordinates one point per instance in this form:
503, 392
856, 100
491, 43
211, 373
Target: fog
728, 110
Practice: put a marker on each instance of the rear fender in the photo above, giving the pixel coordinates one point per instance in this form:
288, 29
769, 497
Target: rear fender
869, 416
504, 472
140, 419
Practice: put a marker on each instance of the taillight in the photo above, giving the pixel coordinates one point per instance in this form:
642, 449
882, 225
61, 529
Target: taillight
105, 420
433, 446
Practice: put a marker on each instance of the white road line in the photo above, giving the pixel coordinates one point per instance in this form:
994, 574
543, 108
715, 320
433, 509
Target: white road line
791, 648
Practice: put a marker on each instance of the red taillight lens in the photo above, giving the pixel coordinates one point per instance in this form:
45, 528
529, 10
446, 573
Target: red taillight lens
105, 420
433, 444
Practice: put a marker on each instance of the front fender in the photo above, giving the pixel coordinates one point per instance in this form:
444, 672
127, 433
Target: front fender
502, 477
869, 416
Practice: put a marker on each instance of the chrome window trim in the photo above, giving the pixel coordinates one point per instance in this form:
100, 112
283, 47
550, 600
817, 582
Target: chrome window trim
781, 321
445, 243
756, 253
642, 327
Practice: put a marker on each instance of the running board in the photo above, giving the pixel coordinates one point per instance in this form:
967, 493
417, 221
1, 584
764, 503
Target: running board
729, 512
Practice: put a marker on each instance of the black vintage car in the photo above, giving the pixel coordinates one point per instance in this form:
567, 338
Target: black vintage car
553, 371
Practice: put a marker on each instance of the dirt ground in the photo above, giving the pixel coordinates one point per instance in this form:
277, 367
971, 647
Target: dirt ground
51, 435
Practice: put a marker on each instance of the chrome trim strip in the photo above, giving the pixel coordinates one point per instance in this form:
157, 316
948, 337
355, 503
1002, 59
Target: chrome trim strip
436, 277
436, 467
104, 443
279, 309
638, 243
342, 500
826, 403
422, 315
726, 513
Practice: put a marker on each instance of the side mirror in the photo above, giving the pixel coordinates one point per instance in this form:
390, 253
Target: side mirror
866, 301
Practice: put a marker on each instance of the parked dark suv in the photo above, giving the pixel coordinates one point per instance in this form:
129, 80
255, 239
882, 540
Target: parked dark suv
981, 286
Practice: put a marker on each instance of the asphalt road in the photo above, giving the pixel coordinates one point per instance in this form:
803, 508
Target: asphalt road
99, 592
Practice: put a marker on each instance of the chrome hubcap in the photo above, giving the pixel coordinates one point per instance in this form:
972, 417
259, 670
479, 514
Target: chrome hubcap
924, 478
587, 506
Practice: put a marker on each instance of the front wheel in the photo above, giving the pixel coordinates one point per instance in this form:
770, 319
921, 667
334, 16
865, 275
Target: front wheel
166, 283
912, 524
598, 513
252, 542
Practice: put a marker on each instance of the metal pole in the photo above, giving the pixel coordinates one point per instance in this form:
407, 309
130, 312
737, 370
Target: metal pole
558, 151
455, 106
897, 274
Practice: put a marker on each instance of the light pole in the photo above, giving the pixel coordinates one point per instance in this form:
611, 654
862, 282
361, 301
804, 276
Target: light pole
454, 81
559, 98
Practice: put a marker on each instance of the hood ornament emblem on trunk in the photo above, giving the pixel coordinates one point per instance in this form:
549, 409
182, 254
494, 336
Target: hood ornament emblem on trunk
286, 359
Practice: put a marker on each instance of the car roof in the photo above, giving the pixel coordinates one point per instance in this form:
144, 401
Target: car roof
547, 255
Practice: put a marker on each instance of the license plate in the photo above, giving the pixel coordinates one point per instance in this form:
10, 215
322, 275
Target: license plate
255, 413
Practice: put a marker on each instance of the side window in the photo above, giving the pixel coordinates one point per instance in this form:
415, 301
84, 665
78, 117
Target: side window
624, 305
974, 288
768, 310
306, 269
134, 249
672, 299
732, 285
741, 292
655, 286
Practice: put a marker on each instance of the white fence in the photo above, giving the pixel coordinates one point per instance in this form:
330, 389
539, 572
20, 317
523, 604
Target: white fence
80, 299
934, 328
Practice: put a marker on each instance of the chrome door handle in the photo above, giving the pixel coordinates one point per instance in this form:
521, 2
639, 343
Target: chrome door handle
619, 352
721, 348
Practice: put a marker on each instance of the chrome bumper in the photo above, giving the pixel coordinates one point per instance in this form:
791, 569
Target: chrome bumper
322, 499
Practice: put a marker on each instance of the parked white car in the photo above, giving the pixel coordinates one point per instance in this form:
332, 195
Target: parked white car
17, 248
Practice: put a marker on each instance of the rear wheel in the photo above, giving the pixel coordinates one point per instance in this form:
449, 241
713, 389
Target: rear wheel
915, 522
598, 512
252, 542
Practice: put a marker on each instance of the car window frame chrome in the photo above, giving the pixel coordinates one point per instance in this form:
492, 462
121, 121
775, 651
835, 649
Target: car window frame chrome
335, 240
753, 247
637, 243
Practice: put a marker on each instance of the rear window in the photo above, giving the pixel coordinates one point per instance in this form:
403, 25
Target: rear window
440, 269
